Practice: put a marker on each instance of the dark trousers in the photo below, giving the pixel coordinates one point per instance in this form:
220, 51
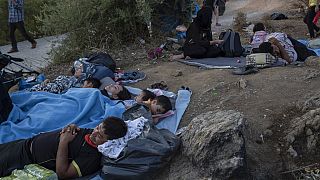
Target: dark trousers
308, 20
20, 26
5, 103
198, 51
14, 155
302, 50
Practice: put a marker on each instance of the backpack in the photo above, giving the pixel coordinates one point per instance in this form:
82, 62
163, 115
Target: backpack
102, 59
143, 157
231, 45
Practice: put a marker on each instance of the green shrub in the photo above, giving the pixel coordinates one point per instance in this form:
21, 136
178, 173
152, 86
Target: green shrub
94, 24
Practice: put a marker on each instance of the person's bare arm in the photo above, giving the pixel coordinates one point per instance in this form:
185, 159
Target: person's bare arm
283, 53
64, 169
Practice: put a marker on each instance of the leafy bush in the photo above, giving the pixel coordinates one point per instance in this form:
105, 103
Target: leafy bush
240, 21
94, 24
32, 9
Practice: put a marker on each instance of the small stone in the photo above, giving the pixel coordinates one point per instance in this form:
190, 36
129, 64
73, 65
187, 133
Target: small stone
242, 83
268, 133
292, 152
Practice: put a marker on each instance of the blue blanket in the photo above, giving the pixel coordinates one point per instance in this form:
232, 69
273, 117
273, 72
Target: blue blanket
36, 112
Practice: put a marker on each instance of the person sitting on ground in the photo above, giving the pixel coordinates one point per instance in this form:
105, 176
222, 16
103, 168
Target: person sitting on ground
199, 43
71, 152
91, 83
116, 92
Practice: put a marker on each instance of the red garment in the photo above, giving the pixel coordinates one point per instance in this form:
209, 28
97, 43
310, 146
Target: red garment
88, 140
316, 18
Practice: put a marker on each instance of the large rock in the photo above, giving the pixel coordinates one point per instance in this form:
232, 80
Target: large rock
215, 145
307, 126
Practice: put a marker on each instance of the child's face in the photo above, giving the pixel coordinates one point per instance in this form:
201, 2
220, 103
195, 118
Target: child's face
155, 108
87, 84
140, 97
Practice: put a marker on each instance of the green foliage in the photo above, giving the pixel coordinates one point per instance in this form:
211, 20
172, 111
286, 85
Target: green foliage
94, 24
31, 9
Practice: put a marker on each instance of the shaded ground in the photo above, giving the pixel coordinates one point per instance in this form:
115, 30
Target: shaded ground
267, 101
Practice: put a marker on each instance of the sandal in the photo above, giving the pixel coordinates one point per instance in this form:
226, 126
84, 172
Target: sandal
162, 85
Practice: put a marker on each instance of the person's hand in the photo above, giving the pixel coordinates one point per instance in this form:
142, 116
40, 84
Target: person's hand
67, 137
72, 128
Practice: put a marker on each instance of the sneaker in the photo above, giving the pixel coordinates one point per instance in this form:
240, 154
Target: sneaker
13, 50
34, 45
218, 24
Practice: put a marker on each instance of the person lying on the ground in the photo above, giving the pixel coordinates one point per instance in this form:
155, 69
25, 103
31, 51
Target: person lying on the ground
152, 108
38, 112
81, 70
91, 83
280, 45
116, 92
71, 152
199, 43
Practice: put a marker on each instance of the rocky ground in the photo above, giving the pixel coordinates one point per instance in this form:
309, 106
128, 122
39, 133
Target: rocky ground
277, 109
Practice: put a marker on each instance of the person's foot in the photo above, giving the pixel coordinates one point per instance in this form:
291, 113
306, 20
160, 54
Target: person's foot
13, 50
34, 45
218, 24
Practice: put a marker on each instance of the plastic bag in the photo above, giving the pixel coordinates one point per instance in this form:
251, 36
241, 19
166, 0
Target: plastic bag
143, 157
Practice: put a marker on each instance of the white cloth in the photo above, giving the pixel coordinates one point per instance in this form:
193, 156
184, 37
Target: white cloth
113, 148
286, 43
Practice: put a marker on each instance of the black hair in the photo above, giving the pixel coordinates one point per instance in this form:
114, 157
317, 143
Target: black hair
148, 95
164, 102
266, 47
258, 27
114, 127
124, 94
95, 82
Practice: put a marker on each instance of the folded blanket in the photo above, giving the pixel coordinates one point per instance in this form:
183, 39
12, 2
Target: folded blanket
113, 148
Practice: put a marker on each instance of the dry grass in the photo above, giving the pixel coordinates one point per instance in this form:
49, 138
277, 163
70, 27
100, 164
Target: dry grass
240, 21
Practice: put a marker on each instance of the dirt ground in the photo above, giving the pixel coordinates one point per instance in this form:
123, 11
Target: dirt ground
267, 101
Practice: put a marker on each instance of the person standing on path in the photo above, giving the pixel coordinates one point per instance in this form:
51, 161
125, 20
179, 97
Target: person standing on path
308, 19
16, 20
214, 4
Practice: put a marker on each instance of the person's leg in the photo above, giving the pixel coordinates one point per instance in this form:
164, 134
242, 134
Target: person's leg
213, 51
309, 21
302, 50
194, 51
14, 155
20, 26
5, 103
216, 13
12, 28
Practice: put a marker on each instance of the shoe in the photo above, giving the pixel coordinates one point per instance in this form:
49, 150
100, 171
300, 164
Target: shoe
218, 24
249, 69
13, 50
34, 45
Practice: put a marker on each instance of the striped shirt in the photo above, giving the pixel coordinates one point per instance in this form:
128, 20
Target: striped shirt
16, 12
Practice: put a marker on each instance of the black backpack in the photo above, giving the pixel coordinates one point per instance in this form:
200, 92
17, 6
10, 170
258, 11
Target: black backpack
231, 45
103, 59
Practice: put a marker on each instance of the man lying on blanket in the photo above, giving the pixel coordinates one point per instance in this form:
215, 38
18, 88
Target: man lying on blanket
70, 152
